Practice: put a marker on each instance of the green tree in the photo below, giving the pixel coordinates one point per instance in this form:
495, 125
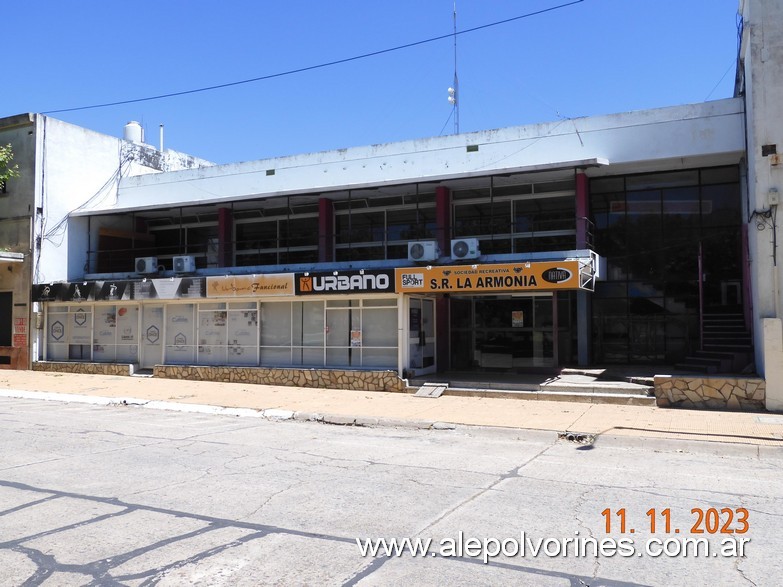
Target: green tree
7, 170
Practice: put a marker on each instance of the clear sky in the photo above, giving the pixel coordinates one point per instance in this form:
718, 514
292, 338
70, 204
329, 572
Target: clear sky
591, 57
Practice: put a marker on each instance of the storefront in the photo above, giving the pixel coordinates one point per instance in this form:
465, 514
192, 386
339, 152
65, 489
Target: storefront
500, 317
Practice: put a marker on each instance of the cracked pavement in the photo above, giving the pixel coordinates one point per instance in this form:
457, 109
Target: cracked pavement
112, 495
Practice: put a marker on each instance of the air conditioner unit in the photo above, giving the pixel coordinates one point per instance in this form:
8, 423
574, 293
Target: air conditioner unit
146, 264
465, 248
423, 251
185, 264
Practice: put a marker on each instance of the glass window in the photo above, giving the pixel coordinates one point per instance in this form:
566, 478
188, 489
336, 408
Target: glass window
104, 341
380, 302
276, 323
660, 180
212, 334
379, 328
650, 236
180, 334
56, 334
242, 334
360, 227
720, 205
720, 175
299, 232
127, 333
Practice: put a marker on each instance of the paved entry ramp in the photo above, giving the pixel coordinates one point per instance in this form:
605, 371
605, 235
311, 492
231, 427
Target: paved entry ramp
432, 390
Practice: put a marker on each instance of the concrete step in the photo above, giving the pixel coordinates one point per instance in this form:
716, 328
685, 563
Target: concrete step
728, 347
632, 399
696, 367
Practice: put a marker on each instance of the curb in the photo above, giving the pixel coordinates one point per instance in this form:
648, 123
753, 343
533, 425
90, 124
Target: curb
270, 414
661, 444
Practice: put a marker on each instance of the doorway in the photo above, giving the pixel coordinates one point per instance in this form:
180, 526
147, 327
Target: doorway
505, 333
151, 347
421, 336
6, 322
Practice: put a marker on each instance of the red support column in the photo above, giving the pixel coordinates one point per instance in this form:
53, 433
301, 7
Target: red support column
325, 230
225, 237
443, 218
442, 306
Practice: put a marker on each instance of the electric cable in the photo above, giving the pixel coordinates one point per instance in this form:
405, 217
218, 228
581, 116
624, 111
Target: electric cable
315, 67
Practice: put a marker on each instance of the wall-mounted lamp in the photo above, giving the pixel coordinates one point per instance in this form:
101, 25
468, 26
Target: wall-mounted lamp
334, 272
307, 274
361, 271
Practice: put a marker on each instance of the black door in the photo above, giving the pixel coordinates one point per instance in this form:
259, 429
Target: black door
6, 307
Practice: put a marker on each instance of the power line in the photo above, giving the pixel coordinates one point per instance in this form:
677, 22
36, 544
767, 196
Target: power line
319, 66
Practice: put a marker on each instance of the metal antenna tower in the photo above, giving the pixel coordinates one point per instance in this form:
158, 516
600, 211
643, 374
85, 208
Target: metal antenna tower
454, 89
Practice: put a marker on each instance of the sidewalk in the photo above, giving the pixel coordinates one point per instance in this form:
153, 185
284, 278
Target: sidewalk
389, 409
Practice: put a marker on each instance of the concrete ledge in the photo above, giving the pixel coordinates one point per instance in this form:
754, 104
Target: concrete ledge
124, 369
577, 394
291, 377
712, 393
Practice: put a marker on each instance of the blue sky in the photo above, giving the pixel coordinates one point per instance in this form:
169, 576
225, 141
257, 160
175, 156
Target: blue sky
592, 57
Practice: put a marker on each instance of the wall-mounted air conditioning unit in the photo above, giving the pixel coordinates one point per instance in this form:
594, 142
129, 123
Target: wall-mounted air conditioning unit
184, 264
465, 248
146, 265
423, 251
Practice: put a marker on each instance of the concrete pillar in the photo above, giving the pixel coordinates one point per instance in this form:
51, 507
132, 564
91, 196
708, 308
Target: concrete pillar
325, 230
443, 305
773, 362
225, 237
584, 310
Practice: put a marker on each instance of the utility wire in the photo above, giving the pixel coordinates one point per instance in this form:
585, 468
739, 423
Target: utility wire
319, 66
725, 73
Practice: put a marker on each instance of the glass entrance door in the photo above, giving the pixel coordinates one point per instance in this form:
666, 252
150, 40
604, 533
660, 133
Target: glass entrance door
421, 336
503, 333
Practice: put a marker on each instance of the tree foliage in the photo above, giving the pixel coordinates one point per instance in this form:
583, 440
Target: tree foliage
7, 169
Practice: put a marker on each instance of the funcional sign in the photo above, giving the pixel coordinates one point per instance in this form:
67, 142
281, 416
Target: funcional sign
367, 281
273, 284
539, 275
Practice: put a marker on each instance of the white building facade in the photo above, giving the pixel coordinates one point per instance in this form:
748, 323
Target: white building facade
635, 238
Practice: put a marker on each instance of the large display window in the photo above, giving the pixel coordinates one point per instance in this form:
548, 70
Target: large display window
69, 333
333, 333
358, 333
115, 337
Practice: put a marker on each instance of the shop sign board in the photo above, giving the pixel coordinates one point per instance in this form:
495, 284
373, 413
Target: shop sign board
533, 276
242, 286
345, 282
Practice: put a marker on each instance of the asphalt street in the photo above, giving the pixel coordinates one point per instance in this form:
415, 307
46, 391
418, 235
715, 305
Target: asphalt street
118, 495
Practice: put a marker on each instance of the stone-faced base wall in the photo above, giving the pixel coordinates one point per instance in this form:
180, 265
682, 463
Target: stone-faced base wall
325, 378
732, 393
84, 368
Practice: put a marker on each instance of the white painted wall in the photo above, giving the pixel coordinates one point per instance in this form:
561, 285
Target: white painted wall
762, 55
772, 334
709, 133
77, 168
